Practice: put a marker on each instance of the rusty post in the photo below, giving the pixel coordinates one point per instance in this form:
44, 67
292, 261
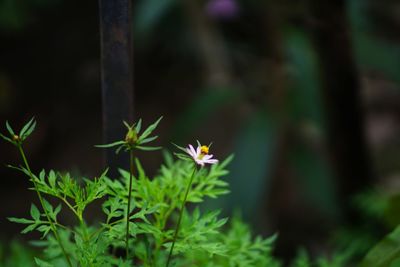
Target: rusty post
116, 75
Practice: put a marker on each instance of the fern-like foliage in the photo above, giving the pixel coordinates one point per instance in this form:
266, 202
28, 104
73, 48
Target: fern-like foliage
204, 239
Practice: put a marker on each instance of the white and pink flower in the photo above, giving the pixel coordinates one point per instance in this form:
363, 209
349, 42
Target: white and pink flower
200, 155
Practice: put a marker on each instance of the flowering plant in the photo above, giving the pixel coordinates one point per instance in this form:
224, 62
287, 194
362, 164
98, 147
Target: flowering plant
145, 220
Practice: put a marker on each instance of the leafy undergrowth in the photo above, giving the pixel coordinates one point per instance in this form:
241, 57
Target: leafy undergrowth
145, 220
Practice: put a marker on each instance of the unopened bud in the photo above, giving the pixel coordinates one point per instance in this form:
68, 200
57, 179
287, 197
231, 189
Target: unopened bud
131, 137
16, 138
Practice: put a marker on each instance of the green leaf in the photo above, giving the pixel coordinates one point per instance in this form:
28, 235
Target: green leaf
56, 211
111, 144
149, 130
10, 130
390, 207
22, 169
45, 229
104, 174
47, 206
119, 149
42, 263
147, 140
385, 252
52, 179
183, 156
126, 125
35, 213
225, 163
198, 143
39, 243
27, 129
180, 148
42, 175
138, 126
140, 170
20, 220
6, 138
148, 148
28, 229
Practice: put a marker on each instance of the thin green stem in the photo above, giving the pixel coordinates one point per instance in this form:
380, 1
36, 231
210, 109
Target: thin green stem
161, 222
53, 228
86, 236
180, 216
64, 227
131, 164
71, 207
104, 227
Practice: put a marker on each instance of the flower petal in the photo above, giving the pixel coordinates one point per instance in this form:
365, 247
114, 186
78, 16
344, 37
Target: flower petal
207, 157
192, 151
211, 161
198, 157
199, 161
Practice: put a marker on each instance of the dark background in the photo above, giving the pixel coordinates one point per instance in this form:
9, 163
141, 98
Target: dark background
304, 93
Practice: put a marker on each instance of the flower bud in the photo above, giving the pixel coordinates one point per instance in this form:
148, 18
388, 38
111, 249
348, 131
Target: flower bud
16, 138
131, 137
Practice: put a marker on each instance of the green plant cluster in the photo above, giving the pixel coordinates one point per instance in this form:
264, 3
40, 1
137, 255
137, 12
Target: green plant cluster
145, 220
204, 238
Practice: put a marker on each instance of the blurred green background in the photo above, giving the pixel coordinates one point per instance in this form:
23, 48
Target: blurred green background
304, 93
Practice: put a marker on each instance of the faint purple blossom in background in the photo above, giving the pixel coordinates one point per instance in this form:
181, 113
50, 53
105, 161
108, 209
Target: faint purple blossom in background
222, 9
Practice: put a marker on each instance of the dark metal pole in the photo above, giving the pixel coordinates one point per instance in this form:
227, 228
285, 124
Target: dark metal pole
116, 75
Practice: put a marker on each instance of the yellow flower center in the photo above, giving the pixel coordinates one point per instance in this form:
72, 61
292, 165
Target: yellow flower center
204, 150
